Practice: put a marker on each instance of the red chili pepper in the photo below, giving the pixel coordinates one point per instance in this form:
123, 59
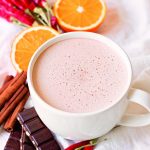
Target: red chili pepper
76, 145
28, 4
53, 21
37, 2
7, 12
12, 3
18, 4
40, 3
3, 14
89, 148
6, 2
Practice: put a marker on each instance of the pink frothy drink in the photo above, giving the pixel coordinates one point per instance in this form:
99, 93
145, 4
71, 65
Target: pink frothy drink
80, 75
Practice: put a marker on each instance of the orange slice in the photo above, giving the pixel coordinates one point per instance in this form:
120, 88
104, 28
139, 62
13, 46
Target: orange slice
27, 42
80, 15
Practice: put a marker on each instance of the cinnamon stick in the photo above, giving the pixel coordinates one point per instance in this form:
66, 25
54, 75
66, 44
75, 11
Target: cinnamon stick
7, 78
9, 124
11, 104
12, 99
19, 79
7, 81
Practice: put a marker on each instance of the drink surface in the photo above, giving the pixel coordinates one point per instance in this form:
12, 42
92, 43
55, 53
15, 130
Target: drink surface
80, 75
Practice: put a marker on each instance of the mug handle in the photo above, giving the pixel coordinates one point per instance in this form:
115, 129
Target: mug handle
132, 120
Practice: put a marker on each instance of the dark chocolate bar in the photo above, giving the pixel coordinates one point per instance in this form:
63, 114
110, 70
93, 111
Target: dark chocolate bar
25, 142
37, 132
13, 142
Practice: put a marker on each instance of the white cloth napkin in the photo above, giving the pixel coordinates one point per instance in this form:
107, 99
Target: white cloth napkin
127, 23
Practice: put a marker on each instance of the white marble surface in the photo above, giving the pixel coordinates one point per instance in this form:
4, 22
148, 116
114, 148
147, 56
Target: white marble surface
128, 24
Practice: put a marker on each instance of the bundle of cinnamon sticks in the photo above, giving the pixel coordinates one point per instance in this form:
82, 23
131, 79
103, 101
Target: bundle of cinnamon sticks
13, 96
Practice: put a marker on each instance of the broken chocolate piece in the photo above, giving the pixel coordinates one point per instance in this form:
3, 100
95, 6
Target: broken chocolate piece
13, 142
38, 133
34, 125
27, 115
25, 142
52, 145
41, 136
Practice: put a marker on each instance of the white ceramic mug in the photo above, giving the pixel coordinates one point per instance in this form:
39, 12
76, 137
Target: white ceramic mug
84, 126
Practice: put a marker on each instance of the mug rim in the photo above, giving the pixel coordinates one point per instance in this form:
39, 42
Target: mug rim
78, 34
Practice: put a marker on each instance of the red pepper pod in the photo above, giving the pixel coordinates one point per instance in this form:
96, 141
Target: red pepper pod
6, 3
53, 21
89, 147
37, 2
3, 13
76, 145
8, 12
18, 4
23, 17
28, 4
42, 3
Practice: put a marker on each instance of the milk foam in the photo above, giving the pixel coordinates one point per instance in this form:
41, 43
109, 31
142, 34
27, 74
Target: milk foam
80, 75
